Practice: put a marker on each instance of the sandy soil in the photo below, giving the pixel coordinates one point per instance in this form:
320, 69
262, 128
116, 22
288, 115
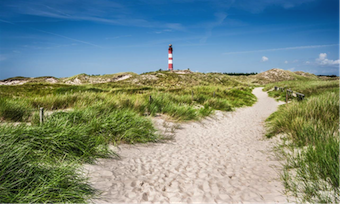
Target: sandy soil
221, 159
123, 77
14, 82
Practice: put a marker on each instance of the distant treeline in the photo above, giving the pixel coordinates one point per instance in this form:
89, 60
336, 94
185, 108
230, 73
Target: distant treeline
328, 75
240, 74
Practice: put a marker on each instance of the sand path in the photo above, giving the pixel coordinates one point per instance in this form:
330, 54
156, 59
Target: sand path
220, 159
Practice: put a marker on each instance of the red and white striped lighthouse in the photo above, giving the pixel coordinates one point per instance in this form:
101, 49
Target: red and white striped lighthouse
170, 58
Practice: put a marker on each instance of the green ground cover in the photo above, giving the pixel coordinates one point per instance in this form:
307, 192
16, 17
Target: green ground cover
40, 162
311, 142
306, 87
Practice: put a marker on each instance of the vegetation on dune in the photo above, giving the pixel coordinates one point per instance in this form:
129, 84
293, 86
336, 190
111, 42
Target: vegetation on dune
308, 88
175, 80
322, 112
169, 93
273, 76
13, 110
40, 162
93, 79
27, 180
311, 148
276, 75
16, 78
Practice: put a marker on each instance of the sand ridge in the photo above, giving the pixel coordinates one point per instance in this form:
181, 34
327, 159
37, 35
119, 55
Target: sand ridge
221, 159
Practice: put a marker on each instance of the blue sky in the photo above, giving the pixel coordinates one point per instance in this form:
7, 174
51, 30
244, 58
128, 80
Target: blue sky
67, 37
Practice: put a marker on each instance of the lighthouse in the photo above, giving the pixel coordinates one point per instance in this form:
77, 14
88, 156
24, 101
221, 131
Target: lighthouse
170, 67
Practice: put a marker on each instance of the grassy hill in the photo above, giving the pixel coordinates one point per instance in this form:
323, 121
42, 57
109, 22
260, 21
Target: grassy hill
276, 75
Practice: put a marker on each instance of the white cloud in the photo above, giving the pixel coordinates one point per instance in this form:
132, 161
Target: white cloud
322, 56
264, 58
291, 69
286, 62
323, 61
307, 62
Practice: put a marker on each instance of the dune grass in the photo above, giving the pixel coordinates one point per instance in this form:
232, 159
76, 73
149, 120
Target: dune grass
311, 148
198, 100
13, 110
28, 180
40, 162
308, 88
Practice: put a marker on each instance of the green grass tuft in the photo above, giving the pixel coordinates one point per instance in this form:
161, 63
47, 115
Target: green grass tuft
13, 110
312, 127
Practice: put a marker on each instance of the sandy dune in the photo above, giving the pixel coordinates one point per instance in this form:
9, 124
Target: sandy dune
220, 159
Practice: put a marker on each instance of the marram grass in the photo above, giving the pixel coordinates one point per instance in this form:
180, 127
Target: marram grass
25, 179
137, 98
308, 88
40, 163
312, 126
13, 110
